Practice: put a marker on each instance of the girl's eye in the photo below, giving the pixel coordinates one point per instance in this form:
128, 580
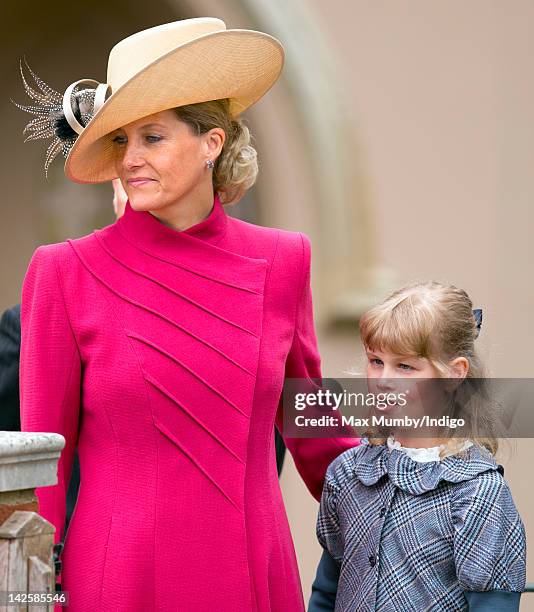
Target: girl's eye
375, 361
405, 366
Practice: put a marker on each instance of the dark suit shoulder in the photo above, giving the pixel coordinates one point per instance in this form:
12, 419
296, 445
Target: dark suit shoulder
10, 330
9, 369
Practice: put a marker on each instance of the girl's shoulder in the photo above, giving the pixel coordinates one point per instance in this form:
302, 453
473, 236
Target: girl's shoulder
353, 463
486, 490
463, 470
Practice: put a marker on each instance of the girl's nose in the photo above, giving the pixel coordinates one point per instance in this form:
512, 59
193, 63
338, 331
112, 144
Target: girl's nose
385, 383
390, 377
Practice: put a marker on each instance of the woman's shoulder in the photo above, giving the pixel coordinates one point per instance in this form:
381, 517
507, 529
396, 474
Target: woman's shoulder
48, 256
263, 235
289, 252
61, 256
56, 251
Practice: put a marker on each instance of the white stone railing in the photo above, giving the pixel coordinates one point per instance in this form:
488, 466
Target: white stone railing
27, 460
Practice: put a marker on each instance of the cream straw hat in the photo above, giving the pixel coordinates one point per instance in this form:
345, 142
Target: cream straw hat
184, 62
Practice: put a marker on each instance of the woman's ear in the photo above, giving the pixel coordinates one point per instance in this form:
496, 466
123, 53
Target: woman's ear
459, 367
214, 141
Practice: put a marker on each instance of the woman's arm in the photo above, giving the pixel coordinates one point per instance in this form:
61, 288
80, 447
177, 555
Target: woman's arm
312, 456
50, 372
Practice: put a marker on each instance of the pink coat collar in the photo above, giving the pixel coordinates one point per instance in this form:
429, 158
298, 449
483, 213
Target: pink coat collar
145, 224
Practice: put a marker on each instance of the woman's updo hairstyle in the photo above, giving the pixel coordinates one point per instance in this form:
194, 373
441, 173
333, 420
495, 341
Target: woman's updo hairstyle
236, 167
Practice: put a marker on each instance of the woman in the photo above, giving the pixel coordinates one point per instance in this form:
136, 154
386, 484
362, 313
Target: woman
160, 343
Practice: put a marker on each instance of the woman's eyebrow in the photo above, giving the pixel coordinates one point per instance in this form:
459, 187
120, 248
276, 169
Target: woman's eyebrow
142, 127
152, 125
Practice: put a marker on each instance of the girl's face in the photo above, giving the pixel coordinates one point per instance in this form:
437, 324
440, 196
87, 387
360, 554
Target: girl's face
409, 379
161, 162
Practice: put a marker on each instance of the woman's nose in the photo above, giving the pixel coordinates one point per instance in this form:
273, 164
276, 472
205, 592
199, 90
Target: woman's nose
132, 156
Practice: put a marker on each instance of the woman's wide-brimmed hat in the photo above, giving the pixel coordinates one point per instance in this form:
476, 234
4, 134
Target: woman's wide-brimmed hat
179, 63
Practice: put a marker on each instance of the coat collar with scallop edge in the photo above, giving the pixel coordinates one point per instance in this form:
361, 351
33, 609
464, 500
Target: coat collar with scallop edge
372, 462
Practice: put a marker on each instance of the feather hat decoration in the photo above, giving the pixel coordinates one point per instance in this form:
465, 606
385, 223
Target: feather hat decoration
61, 117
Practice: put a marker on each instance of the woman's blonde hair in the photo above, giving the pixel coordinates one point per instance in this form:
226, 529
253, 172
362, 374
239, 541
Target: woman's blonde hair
435, 321
236, 167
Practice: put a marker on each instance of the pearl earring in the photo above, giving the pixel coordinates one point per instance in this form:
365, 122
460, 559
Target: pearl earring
210, 164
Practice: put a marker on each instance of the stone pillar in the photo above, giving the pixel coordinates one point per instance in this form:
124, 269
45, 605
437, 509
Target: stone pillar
27, 460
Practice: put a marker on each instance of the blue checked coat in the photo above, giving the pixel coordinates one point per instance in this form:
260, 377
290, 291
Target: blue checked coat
419, 536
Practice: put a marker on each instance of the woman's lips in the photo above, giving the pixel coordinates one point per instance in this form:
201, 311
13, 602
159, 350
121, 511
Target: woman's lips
139, 182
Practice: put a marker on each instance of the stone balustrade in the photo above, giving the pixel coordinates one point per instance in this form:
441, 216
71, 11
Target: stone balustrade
27, 460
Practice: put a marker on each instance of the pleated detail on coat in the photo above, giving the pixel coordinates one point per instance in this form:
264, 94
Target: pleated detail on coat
197, 351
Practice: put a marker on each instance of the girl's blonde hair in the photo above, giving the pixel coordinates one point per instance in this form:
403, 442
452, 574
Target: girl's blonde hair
435, 321
236, 168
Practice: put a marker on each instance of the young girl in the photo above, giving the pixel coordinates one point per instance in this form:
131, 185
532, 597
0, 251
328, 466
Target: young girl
410, 523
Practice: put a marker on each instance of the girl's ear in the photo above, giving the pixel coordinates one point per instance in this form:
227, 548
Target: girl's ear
459, 367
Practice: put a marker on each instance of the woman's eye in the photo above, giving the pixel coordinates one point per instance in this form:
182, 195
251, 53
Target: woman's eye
123, 140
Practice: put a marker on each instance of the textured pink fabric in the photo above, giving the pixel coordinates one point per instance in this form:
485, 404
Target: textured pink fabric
162, 354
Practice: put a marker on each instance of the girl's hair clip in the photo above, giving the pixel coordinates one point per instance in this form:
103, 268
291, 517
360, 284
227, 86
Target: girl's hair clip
477, 313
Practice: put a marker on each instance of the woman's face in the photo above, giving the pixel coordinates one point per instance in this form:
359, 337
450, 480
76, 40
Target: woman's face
161, 162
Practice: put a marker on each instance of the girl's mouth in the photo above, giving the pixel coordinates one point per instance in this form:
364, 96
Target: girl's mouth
387, 408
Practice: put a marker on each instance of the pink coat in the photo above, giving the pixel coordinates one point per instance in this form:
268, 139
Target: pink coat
162, 354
